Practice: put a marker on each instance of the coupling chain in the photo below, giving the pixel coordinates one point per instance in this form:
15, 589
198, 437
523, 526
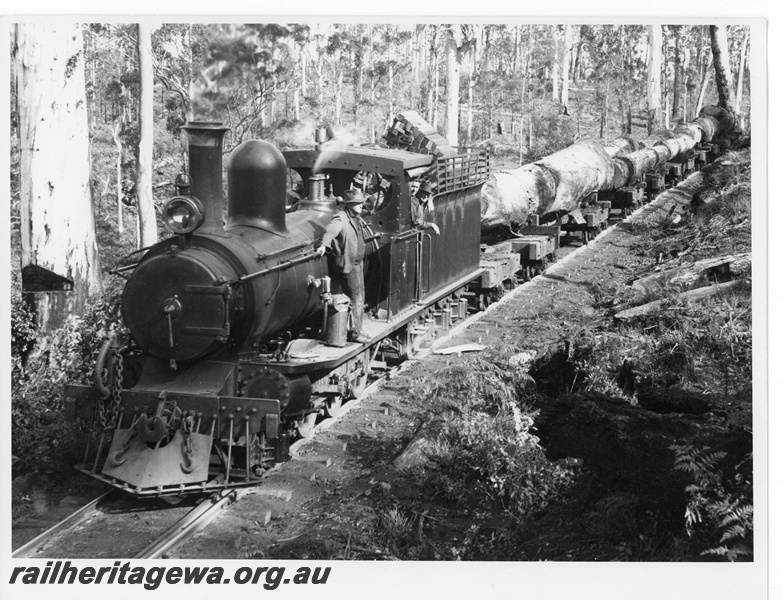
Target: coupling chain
116, 390
109, 406
187, 444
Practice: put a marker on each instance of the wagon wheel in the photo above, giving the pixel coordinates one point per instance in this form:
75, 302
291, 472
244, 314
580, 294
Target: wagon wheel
306, 424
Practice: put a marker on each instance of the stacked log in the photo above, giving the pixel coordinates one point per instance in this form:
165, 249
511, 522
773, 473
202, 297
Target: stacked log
412, 133
558, 183
690, 276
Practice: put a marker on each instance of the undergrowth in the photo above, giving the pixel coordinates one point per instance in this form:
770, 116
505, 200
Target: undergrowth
486, 447
41, 440
720, 513
719, 224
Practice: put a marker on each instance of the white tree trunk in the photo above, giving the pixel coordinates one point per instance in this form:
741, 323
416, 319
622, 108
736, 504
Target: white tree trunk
741, 71
57, 222
303, 64
319, 73
118, 142
566, 65
654, 61
555, 67
452, 87
703, 89
148, 227
392, 112
338, 100
720, 54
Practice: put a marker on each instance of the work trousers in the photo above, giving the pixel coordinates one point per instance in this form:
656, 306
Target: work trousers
352, 285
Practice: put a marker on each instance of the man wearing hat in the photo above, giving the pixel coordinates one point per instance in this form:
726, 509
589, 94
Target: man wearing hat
420, 201
344, 238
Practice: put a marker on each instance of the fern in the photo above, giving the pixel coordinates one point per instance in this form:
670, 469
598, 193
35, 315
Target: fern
724, 518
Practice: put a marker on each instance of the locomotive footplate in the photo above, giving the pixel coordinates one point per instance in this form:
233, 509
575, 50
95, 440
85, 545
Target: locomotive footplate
310, 354
152, 443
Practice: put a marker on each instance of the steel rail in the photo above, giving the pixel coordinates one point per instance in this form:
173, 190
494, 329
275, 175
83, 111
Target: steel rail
191, 523
84, 513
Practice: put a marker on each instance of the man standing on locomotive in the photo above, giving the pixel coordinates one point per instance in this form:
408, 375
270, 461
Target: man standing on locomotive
345, 240
420, 204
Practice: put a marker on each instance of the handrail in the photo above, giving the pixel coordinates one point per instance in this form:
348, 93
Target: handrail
429, 262
283, 265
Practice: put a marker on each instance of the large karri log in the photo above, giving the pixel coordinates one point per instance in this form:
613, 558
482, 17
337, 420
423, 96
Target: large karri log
558, 182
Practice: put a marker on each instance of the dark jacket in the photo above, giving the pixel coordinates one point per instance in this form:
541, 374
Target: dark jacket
345, 238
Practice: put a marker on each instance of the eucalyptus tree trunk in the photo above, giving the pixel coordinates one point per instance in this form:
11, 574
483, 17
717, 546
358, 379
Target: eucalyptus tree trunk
565, 73
555, 65
472, 81
432, 79
359, 77
530, 108
303, 67
390, 116
704, 84
676, 100
116, 131
452, 87
148, 227
741, 71
338, 99
625, 96
720, 54
57, 223
416, 53
687, 85
319, 74
654, 59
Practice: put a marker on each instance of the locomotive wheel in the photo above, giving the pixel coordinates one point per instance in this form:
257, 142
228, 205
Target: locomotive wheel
358, 383
357, 386
332, 406
305, 425
483, 302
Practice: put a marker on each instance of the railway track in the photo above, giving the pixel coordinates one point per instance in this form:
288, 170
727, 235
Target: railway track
92, 529
37, 544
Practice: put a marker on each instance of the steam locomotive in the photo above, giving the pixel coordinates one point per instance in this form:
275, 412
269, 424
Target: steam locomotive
237, 334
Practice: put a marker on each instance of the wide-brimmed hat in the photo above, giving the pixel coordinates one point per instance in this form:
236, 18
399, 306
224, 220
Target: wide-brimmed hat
353, 196
425, 189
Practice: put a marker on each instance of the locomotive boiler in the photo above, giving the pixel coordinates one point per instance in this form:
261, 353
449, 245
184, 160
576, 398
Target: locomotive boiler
237, 335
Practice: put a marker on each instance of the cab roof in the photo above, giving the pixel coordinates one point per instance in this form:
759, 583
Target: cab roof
357, 158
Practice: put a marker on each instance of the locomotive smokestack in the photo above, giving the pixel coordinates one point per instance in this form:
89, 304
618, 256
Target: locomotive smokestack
205, 163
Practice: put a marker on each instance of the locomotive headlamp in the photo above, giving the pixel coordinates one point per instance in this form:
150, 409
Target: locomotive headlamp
182, 214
